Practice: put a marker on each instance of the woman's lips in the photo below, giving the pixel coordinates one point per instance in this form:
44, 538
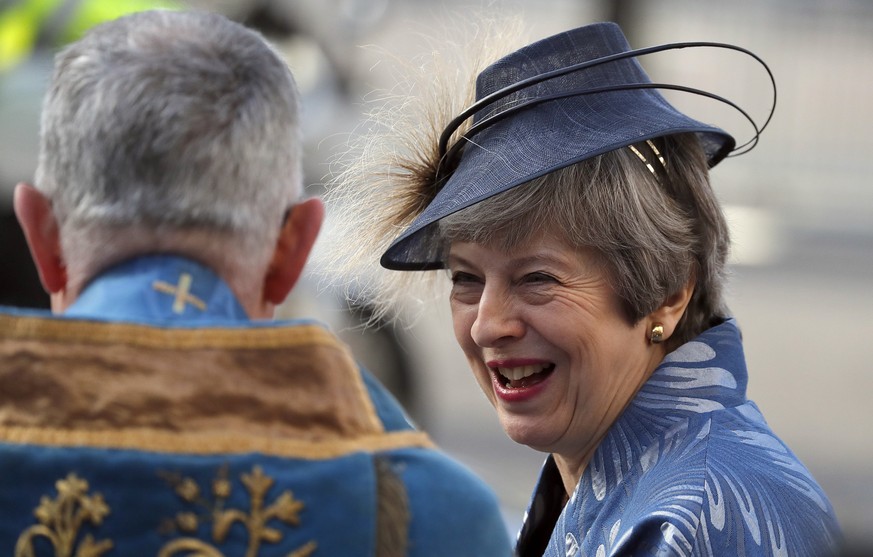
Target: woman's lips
518, 380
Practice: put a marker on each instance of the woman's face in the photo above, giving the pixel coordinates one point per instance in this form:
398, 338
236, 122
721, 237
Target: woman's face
547, 340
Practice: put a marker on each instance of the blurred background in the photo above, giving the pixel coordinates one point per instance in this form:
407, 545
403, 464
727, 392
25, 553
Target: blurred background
800, 205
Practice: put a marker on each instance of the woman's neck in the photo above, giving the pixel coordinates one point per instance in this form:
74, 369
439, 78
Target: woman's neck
571, 471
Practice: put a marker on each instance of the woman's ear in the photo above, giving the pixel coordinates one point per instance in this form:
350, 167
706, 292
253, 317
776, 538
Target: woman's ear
34, 212
295, 242
671, 311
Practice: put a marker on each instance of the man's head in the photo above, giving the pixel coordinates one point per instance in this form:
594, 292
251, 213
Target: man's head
170, 132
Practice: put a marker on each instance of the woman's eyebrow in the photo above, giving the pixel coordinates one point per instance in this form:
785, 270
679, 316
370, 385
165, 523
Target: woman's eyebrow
547, 257
456, 260
533, 259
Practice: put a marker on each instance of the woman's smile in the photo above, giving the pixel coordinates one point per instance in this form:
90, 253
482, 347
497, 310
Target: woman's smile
519, 380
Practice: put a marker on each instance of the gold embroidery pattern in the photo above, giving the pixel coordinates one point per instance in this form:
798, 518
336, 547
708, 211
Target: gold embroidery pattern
62, 518
285, 509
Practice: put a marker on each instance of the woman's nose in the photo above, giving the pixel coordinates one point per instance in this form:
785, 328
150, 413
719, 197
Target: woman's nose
497, 320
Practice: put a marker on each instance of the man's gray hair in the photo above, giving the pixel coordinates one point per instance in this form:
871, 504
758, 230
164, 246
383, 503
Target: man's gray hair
167, 122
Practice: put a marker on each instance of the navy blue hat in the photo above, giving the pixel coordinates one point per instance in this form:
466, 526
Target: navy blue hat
556, 102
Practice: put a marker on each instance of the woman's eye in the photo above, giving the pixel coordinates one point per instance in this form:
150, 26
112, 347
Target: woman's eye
466, 288
463, 278
535, 278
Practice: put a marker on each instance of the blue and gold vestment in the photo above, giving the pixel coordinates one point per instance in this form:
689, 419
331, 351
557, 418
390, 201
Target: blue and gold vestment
154, 419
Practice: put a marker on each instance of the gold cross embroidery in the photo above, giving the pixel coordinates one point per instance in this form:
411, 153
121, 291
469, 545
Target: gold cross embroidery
182, 292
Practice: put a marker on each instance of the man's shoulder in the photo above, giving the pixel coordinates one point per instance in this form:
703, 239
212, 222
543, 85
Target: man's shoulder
450, 507
9, 312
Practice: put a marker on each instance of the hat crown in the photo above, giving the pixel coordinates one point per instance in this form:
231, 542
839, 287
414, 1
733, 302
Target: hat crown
558, 52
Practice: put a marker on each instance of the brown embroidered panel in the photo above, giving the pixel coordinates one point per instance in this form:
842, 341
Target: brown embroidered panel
284, 383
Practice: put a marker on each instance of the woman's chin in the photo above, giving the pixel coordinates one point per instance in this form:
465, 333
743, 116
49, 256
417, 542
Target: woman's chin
525, 431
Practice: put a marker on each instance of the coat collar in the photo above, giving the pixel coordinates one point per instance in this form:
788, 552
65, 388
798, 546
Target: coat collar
158, 288
706, 374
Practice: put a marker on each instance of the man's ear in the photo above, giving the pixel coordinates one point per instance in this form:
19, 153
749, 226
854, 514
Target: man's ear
40, 227
293, 246
672, 310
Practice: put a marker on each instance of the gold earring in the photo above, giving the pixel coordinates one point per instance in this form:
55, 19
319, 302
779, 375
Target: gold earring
657, 334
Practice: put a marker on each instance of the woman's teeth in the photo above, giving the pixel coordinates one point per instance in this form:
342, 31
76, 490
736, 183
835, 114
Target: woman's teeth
519, 373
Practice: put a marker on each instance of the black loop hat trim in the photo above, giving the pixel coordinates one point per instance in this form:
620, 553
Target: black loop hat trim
497, 95
552, 125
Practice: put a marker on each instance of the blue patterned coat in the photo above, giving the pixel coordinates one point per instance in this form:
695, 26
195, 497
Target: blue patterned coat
690, 468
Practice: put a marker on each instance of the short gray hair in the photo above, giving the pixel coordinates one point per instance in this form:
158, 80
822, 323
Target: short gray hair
654, 228
169, 122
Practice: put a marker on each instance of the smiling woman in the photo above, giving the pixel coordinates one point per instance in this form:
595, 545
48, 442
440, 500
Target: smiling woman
547, 340
572, 208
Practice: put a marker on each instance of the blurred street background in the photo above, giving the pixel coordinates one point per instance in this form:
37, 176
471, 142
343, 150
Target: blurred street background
800, 205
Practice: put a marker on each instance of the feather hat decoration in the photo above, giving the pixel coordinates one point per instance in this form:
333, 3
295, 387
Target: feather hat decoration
388, 174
